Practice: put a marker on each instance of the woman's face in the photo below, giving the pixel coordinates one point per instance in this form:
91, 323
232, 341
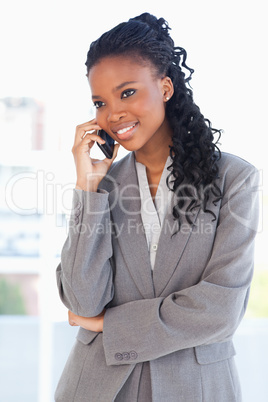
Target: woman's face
130, 102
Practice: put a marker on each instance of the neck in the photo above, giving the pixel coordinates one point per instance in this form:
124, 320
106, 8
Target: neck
153, 161
155, 153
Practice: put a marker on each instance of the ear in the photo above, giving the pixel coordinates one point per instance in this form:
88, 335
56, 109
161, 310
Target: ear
167, 88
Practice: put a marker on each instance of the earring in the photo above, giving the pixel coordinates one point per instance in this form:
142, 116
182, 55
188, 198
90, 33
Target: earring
167, 98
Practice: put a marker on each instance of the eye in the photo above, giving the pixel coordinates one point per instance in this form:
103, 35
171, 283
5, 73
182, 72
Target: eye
98, 104
128, 93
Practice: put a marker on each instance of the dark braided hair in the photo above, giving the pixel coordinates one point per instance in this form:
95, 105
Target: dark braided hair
194, 153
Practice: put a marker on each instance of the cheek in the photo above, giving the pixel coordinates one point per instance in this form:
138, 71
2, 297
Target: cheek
155, 112
101, 119
153, 106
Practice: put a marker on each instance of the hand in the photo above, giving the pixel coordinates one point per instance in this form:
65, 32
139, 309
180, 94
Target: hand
89, 171
94, 324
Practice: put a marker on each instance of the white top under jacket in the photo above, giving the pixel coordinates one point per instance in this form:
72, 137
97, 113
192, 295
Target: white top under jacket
153, 212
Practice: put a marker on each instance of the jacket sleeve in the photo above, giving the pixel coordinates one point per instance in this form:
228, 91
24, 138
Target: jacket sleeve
84, 276
206, 313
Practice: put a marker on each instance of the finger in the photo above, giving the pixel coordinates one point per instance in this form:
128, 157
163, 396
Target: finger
90, 140
92, 137
82, 130
73, 324
116, 148
87, 142
71, 318
93, 121
86, 124
94, 130
110, 161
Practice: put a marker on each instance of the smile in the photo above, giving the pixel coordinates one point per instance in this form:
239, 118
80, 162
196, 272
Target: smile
126, 133
124, 130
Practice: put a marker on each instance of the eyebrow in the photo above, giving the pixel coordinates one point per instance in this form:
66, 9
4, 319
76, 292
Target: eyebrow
124, 84
117, 88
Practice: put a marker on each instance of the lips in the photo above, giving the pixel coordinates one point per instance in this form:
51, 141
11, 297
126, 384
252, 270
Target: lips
125, 131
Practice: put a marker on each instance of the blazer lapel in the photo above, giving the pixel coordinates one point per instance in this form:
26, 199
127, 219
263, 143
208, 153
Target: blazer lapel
125, 206
125, 213
170, 250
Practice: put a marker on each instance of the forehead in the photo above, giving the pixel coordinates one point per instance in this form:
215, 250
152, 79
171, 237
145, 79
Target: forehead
111, 71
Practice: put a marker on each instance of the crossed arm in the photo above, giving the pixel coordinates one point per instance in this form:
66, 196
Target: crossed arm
94, 324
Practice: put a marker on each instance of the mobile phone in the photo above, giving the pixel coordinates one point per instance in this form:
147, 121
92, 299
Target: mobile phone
108, 147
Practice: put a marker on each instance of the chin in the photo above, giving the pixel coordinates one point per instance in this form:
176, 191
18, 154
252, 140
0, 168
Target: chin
129, 145
129, 148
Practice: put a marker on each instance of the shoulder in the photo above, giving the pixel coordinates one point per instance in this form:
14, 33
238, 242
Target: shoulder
235, 171
232, 165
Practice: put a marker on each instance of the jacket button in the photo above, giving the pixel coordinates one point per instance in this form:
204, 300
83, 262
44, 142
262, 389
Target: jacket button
126, 356
133, 355
118, 356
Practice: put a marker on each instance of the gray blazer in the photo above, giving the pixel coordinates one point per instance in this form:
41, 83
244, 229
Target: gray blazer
182, 316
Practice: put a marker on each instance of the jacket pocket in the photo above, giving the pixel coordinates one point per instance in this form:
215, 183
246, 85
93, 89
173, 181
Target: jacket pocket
85, 336
215, 352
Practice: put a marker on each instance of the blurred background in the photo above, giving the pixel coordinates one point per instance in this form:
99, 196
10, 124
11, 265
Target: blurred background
44, 94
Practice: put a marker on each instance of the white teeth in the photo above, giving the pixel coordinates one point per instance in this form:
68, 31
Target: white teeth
124, 130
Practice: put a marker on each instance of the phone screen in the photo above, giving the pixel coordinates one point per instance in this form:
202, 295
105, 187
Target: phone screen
108, 147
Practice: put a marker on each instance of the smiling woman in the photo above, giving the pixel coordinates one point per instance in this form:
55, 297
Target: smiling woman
131, 103
158, 262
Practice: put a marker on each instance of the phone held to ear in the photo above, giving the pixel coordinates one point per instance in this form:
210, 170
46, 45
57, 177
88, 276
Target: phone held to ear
108, 147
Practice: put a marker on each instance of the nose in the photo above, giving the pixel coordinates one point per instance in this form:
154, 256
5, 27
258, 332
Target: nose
115, 113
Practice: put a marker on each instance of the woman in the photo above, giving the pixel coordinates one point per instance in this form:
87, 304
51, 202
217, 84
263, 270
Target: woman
158, 262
